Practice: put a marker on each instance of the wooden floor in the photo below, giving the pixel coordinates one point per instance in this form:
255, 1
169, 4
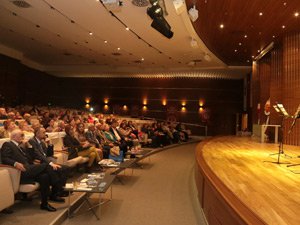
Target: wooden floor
244, 165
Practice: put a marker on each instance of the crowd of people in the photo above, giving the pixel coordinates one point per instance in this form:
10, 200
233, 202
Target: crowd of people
87, 135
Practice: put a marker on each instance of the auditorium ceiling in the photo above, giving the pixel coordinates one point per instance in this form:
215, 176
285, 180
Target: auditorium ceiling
88, 38
236, 31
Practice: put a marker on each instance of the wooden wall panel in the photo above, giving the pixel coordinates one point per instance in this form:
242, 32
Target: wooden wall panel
222, 98
280, 72
255, 92
276, 83
291, 88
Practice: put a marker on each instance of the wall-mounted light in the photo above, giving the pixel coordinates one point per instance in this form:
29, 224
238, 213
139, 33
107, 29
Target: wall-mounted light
144, 108
201, 102
145, 101
106, 107
87, 106
87, 100
92, 109
164, 102
125, 108
201, 109
183, 103
106, 100
183, 109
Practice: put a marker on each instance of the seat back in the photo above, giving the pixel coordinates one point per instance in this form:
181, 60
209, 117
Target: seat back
7, 195
15, 177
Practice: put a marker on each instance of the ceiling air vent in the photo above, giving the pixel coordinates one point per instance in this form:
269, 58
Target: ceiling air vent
137, 61
116, 53
21, 4
140, 3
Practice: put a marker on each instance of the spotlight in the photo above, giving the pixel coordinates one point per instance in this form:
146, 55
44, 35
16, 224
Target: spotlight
155, 11
159, 23
162, 26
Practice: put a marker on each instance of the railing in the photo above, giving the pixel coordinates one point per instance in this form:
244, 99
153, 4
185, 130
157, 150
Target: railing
188, 125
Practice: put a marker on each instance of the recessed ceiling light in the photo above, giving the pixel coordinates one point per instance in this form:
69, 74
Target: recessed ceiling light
260, 14
240, 44
284, 3
258, 50
221, 25
273, 36
253, 57
282, 26
90, 33
248, 61
105, 42
127, 28
235, 50
296, 14
142, 59
119, 49
245, 36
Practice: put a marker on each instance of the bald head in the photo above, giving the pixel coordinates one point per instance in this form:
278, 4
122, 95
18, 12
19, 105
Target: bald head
17, 135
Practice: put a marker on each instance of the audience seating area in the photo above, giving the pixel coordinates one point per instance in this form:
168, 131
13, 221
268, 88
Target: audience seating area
102, 132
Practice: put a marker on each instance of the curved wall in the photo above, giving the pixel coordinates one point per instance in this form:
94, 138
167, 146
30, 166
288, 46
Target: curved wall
219, 204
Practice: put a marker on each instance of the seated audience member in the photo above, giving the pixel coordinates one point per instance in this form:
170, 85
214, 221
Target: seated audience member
81, 137
43, 152
61, 126
27, 118
123, 144
51, 127
91, 135
3, 114
14, 153
45, 119
8, 126
11, 116
76, 149
90, 118
126, 131
127, 135
184, 134
133, 128
18, 116
23, 126
104, 143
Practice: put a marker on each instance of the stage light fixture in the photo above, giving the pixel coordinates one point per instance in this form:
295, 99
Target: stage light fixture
161, 25
155, 12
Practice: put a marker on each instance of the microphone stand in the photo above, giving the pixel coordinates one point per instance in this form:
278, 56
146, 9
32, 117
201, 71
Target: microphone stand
290, 130
280, 147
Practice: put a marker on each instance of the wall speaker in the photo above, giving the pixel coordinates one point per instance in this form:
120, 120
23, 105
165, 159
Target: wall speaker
193, 13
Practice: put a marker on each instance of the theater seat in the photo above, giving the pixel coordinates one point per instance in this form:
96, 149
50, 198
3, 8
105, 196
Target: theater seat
15, 176
6, 190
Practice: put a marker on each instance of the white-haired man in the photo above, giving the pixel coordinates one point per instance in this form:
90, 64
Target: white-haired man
14, 153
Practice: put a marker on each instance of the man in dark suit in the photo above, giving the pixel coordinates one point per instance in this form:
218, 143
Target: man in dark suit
44, 154
14, 153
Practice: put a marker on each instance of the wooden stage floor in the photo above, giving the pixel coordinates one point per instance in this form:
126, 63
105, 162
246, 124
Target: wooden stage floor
272, 191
